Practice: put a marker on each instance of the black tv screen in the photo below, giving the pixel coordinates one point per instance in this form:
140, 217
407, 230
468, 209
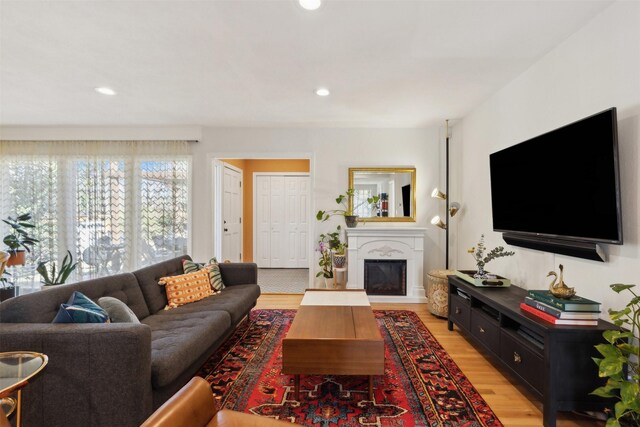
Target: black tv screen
562, 184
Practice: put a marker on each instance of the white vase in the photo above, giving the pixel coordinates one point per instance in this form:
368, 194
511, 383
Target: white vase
328, 282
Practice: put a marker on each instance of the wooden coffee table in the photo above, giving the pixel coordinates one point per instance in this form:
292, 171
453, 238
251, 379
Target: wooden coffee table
335, 333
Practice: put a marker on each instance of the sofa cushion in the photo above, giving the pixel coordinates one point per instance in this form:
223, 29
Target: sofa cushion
186, 288
179, 338
42, 307
117, 310
236, 300
212, 267
78, 314
154, 295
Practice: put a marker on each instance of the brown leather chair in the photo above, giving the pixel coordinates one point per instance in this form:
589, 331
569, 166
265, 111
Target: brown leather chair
194, 406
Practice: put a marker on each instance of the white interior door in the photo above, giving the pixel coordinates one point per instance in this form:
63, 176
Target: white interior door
296, 216
232, 214
277, 222
282, 211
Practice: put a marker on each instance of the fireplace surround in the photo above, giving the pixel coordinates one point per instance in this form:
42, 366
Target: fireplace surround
387, 244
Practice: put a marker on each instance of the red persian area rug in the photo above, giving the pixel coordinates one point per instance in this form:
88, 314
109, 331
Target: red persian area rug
422, 386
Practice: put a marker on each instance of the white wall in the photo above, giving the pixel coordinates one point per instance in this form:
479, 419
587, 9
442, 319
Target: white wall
332, 152
596, 68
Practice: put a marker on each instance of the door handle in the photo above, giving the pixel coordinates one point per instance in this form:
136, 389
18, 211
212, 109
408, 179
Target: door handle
481, 330
458, 311
226, 229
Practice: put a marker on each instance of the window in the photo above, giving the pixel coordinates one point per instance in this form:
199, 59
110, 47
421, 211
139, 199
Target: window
114, 213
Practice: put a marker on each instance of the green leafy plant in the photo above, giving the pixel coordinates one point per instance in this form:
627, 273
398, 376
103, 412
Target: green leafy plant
326, 243
4, 279
620, 363
49, 276
478, 254
346, 201
18, 236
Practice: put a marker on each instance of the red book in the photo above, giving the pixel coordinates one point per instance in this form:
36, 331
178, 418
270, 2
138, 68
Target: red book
549, 318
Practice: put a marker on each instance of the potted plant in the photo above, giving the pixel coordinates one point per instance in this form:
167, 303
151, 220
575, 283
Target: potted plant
326, 270
18, 240
620, 362
481, 259
50, 278
7, 290
346, 200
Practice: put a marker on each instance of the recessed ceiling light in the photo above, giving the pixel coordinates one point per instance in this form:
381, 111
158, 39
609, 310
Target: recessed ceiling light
310, 4
322, 91
105, 90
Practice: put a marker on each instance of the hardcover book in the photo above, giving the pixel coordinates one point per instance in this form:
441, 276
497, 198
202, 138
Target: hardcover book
549, 318
575, 303
560, 314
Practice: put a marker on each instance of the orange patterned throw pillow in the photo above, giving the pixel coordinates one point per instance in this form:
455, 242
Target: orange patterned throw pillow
186, 288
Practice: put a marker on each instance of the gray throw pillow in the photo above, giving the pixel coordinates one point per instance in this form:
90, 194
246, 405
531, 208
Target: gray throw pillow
118, 311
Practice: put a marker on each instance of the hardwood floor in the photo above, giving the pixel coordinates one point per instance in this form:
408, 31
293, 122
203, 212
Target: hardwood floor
512, 403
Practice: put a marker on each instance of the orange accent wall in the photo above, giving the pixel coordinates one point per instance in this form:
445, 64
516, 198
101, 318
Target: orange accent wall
249, 166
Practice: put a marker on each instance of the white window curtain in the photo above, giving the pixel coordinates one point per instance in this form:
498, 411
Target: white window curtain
115, 205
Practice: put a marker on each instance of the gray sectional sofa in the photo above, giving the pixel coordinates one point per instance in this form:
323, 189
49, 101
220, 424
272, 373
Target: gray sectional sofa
116, 374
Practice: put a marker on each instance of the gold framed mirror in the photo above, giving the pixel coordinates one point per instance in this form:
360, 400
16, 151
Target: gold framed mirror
395, 187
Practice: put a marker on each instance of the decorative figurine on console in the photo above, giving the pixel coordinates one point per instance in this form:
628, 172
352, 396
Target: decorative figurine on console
481, 259
558, 288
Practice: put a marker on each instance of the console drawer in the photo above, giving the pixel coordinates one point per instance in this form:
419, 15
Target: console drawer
460, 312
522, 360
486, 330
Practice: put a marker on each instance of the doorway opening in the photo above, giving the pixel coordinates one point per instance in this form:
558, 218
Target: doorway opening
276, 219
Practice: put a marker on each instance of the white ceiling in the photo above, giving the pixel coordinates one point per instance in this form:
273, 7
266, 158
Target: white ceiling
257, 63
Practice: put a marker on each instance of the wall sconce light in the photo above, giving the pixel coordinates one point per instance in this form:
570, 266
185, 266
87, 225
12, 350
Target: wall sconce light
438, 222
454, 207
437, 194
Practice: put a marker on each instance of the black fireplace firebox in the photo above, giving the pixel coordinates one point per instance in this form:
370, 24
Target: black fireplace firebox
385, 277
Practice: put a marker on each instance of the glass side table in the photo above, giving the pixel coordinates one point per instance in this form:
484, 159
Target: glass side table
16, 369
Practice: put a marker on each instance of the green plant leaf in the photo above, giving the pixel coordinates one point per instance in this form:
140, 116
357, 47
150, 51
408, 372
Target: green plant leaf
608, 351
619, 287
610, 366
612, 422
629, 392
613, 335
628, 349
340, 198
617, 314
620, 408
602, 392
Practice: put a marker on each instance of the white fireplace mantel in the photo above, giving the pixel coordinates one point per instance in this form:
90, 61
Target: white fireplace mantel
392, 243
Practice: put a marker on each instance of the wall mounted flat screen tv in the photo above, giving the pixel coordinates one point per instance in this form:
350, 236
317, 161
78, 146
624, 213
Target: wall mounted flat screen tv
563, 184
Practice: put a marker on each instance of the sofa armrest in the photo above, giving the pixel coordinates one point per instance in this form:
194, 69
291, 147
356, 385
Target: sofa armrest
239, 273
98, 374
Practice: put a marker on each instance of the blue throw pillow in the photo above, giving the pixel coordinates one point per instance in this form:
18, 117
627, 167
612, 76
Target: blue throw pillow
80, 309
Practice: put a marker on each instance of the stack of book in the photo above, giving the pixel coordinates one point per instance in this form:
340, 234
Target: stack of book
573, 311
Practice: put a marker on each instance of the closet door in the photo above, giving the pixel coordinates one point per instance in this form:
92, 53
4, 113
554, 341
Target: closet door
263, 221
297, 214
278, 225
282, 221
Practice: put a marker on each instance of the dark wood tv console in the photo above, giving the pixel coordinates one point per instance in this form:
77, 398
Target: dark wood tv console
554, 362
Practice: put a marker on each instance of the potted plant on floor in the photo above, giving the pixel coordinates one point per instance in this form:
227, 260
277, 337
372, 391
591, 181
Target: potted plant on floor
7, 290
49, 276
18, 240
326, 269
346, 200
620, 362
